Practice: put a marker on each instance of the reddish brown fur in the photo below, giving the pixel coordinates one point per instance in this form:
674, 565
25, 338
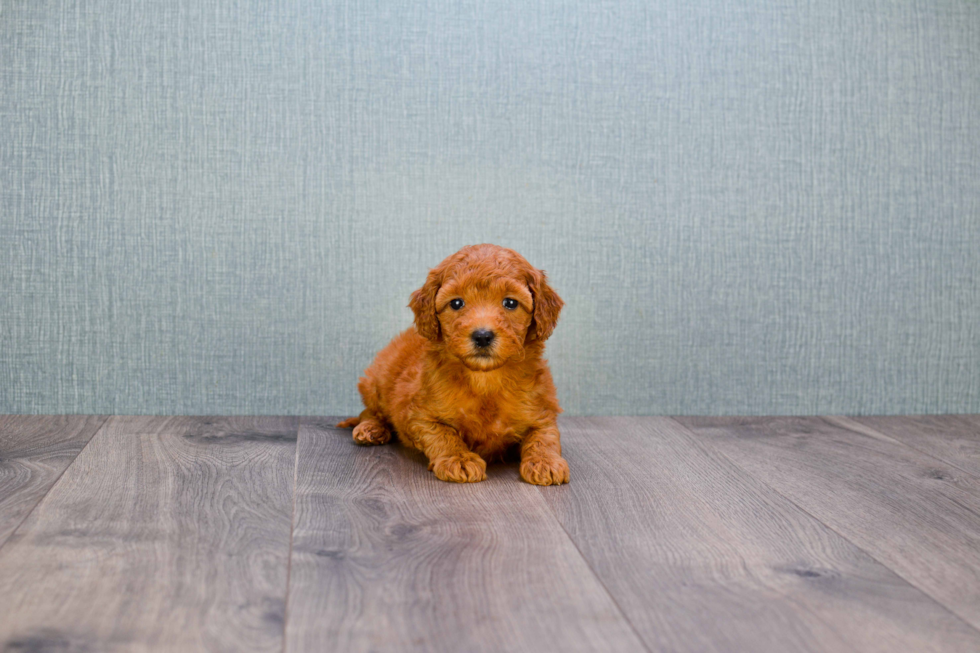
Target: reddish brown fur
458, 408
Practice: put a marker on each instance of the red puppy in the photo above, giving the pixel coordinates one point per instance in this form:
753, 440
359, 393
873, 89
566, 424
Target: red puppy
468, 382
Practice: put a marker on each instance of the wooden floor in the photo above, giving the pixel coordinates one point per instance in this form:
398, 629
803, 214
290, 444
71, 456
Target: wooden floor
688, 534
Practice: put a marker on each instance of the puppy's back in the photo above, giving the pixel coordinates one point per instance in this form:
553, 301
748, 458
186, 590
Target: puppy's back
391, 377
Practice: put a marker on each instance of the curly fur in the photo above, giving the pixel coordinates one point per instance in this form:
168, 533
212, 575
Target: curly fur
459, 404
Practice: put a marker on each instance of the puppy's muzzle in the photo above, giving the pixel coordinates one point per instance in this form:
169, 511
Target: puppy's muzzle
482, 338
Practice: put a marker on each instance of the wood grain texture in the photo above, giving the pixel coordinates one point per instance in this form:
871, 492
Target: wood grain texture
388, 558
34, 451
165, 534
954, 439
912, 512
702, 557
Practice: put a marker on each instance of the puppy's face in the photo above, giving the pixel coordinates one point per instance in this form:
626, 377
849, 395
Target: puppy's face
484, 321
485, 304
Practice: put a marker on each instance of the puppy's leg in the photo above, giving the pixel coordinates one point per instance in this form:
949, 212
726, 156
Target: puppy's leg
449, 457
541, 461
371, 430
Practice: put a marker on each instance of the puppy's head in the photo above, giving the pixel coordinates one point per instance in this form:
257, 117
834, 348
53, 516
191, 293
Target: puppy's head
484, 304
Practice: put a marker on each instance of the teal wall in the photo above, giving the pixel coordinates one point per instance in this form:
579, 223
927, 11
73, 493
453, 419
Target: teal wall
766, 206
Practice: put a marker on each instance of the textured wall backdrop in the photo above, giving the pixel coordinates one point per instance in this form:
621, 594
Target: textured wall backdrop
767, 206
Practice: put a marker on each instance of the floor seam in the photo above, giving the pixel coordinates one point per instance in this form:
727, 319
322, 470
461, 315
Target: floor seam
55, 482
292, 530
899, 441
924, 592
595, 574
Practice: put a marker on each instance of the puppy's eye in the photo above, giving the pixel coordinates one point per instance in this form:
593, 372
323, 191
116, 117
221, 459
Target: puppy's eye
510, 304
456, 304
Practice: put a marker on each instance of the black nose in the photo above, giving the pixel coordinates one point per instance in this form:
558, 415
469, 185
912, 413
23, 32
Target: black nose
482, 337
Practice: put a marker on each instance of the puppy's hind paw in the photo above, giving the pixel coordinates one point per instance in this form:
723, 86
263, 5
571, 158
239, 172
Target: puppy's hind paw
545, 471
465, 468
371, 432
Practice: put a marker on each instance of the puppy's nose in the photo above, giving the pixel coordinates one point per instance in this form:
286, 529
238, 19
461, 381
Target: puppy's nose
482, 337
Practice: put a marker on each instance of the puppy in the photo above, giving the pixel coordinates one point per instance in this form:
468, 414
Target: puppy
468, 382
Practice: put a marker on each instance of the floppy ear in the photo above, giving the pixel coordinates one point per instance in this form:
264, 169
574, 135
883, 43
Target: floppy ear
423, 304
547, 306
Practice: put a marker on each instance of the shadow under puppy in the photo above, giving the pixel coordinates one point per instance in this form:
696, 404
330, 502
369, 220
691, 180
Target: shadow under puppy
468, 382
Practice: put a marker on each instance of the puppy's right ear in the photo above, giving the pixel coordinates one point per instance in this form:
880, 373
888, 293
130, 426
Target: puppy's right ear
423, 304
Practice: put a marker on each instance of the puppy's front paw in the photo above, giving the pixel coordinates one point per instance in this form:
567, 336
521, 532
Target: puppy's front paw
465, 468
545, 471
371, 432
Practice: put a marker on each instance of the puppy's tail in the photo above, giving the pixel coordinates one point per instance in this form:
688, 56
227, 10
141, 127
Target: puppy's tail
349, 423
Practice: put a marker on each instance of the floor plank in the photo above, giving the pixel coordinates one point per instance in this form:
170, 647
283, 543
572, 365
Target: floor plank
34, 451
165, 534
702, 557
954, 439
387, 558
914, 513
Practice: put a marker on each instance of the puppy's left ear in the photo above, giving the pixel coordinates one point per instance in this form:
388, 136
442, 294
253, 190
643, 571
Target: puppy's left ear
423, 304
547, 306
